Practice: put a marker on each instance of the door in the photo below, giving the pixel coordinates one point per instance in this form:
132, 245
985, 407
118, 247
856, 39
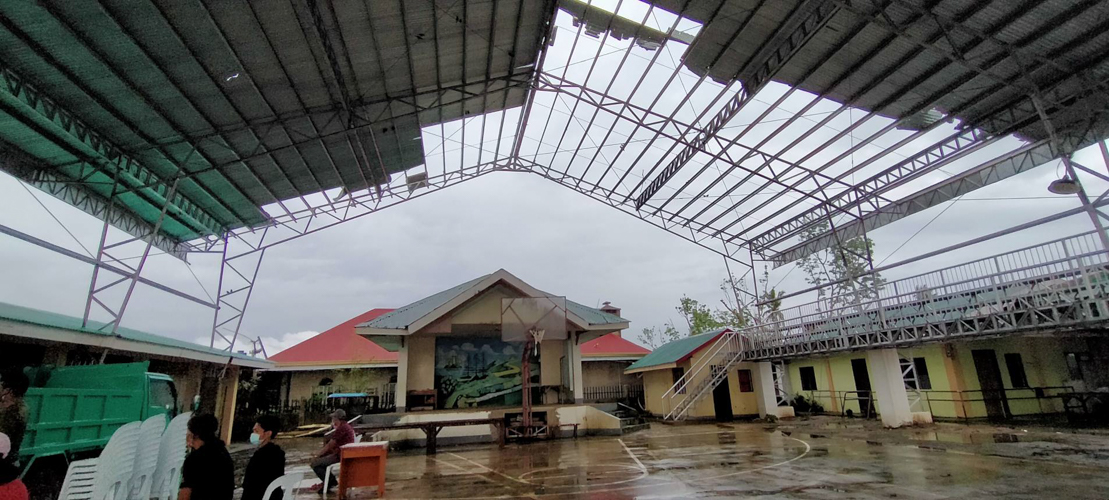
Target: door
722, 399
862, 385
989, 378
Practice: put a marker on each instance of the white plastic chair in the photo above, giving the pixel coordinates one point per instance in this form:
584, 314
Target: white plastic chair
106, 477
171, 454
287, 484
146, 457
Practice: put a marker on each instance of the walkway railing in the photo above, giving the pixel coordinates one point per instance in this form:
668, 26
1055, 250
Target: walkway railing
1058, 285
710, 369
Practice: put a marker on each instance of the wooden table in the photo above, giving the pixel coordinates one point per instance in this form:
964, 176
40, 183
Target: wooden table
431, 429
362, 464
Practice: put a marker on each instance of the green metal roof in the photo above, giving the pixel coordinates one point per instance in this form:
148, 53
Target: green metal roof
404, 316
676, 351
39, 317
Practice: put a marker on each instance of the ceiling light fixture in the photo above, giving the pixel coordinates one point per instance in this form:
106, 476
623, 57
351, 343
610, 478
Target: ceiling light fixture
1065, 185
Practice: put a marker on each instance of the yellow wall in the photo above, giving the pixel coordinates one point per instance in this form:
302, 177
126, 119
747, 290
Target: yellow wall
657, 382
743, 403
421, 362
485, 310
1044, 365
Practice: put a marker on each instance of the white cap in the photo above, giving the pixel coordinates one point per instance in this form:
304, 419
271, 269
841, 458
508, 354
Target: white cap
5, 445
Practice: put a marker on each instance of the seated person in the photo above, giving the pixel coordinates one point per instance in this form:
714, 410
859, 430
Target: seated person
267, 463
329, 454
11, 487
208, 472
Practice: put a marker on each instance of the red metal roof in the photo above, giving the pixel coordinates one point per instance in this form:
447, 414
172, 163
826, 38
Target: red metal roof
612, 345
338, 346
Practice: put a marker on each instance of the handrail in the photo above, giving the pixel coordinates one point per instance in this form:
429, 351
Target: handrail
714, 349
729, 347
1073, 269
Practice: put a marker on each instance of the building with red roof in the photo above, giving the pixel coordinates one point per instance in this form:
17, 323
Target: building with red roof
337, 361
604, 360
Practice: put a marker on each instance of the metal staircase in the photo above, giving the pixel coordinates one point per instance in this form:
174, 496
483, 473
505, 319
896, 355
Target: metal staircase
711, 369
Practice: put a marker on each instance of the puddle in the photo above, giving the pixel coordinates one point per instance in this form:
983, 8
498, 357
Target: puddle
966, 438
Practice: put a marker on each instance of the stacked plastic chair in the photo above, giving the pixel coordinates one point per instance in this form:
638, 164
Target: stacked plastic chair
171, 454
287, 484
146, 458
108, 476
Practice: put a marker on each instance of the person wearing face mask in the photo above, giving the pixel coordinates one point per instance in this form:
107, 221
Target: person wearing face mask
13, 412
267, 463
208, 472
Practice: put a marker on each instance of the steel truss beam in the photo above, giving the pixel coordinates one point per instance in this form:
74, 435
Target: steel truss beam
40, 113
681, 229
1021, 160
242, 250
102, 291
670, 129
771, 59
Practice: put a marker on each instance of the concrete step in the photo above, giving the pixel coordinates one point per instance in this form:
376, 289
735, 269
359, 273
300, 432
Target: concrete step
628, 429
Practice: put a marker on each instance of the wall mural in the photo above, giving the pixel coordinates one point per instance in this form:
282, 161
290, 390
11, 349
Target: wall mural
482, 371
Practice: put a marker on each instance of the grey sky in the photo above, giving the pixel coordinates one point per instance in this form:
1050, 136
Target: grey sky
551, 237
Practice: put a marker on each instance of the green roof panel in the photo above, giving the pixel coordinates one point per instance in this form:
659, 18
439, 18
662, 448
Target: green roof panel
675, 351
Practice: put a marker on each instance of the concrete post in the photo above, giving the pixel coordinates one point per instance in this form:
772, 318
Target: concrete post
889, 387
229, 390
400, 393
575, 366
763, 380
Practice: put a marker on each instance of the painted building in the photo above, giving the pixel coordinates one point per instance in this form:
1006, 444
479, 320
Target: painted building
335, 361
660, 370
604, 361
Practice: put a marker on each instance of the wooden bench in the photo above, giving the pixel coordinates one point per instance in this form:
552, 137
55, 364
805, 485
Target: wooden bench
431, 429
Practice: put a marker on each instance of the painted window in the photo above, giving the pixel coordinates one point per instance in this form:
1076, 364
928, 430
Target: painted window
1016, 371
808, 378
745, 381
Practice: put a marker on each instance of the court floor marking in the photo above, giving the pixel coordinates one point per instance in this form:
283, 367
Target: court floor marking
637, 462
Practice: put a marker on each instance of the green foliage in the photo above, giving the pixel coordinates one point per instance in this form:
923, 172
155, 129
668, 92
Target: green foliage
845, 268
802, 405
655, 337
698, 316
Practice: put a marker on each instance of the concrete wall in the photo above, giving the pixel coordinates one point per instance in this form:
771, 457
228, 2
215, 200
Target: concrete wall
590, 421
954, 377
606, 373
304, 384
656, 382
421, 362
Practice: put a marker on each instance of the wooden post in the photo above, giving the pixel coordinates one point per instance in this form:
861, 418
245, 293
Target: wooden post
229, 393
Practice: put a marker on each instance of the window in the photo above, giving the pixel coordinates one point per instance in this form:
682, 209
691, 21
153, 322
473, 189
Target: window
923, 382
1016, 371
745, 381
1074, 365
922, 374
678, 373
808, 378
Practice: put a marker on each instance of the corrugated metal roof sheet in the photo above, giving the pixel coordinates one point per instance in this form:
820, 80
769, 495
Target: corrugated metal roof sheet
405, 316
676, 351
610, 345
338, 345
39, 317
400, 318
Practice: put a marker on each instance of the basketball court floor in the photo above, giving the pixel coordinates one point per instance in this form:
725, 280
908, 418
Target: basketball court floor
738, 460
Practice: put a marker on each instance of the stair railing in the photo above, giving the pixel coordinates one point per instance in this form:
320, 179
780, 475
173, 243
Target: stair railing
723, 352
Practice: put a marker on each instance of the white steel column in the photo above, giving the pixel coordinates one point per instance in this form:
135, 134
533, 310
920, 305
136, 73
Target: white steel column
889, 387
400, 392
765, 392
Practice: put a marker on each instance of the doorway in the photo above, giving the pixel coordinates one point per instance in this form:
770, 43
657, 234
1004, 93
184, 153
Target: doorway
722, 398
989, 378
862, 387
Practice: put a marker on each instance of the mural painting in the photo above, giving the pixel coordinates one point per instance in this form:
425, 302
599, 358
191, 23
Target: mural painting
483, 371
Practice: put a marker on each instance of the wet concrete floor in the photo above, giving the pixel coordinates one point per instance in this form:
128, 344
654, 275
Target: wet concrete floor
751, 460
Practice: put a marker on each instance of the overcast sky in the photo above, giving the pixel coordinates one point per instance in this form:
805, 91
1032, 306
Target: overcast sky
549, 236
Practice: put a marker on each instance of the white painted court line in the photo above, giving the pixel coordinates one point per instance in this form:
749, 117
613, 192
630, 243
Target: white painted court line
637, 462
499, 473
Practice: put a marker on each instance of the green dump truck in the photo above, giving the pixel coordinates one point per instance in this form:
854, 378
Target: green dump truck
74, 410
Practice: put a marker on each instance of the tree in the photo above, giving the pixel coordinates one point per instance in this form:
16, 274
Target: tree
844, 268
655, 337
698, 317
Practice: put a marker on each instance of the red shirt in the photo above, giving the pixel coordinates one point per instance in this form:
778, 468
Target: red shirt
343, 435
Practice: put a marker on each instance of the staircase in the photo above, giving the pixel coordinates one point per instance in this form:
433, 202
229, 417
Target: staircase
704, 376
631, 420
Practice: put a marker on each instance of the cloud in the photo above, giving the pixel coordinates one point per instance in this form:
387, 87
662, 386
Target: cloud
276, 344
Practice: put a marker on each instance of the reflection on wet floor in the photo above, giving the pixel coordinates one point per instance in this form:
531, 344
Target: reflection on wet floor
695, 461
